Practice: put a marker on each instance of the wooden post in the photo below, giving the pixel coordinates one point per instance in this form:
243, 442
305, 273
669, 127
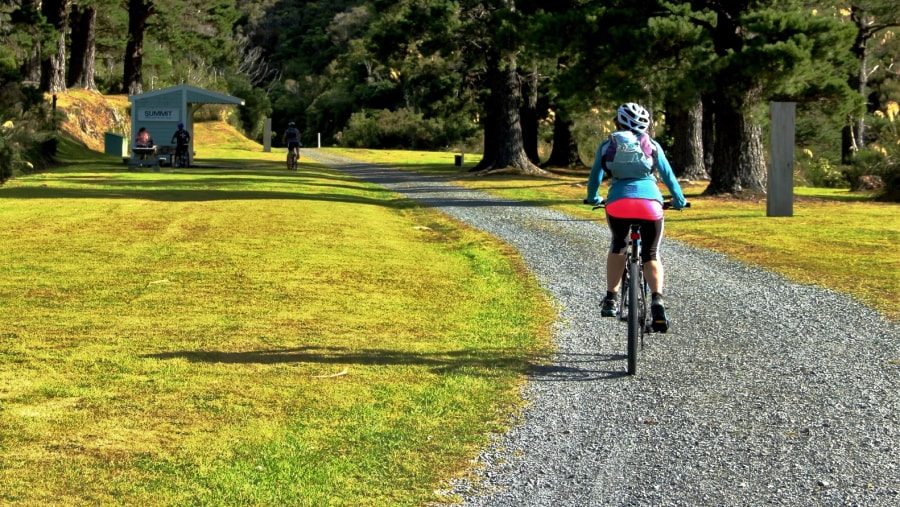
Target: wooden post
780, 182
267, 135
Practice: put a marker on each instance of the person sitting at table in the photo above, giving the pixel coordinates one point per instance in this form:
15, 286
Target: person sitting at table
143, 139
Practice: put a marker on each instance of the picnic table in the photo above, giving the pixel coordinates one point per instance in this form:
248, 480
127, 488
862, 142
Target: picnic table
143, 157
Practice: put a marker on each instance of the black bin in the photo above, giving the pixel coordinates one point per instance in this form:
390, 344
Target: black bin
458, 160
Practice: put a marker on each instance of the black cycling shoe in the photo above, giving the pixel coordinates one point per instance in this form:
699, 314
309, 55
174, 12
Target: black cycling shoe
659, 320
609, 307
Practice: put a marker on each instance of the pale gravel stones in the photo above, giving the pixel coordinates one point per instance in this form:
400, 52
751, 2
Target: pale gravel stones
765, 392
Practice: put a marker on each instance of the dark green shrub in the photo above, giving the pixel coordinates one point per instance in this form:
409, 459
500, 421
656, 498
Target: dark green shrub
27, 130
7, 157
877, 162
402, 129
892, 186
255, 110
26, 124
885, 127
820, 172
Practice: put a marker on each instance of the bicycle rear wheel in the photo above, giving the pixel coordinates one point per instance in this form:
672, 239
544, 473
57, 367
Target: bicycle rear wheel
634, 314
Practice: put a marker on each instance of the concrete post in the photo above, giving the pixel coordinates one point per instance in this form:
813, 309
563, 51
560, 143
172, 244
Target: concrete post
267, 135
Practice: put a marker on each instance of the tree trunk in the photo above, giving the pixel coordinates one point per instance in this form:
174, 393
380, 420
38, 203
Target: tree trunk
31, 62
53, 66
565, 148
847, 145
31, 67
686, 126
739, 157
853, 135
491, 126
529, 117
506, 148
138, 13
753, 158
83, 48
709, 131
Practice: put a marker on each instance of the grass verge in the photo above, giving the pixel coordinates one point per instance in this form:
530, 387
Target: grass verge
234, 334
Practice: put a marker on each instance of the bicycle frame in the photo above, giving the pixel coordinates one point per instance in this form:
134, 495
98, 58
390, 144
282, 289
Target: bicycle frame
633, 297
292, 157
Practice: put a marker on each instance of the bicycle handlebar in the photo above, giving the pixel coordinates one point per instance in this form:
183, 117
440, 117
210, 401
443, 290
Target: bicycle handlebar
666, 204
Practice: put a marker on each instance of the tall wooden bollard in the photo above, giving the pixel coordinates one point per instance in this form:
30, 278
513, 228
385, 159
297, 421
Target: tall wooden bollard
780, 182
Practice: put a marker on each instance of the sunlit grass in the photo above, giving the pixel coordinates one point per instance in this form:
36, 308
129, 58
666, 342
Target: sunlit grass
836, 239
237, 334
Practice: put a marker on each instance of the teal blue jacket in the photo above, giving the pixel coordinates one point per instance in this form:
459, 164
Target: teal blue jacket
640, 188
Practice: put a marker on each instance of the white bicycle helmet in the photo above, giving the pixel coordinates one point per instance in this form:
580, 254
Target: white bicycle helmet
633, 116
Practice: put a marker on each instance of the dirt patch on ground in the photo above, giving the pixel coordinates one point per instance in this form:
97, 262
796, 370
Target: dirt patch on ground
89, 115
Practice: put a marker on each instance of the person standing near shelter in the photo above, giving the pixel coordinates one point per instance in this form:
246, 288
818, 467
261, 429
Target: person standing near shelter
181, 139
630, 156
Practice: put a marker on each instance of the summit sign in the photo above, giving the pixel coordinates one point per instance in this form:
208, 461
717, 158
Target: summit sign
157, 114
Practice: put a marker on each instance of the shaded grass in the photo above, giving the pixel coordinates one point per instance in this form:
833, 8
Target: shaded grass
219, 335
837, 239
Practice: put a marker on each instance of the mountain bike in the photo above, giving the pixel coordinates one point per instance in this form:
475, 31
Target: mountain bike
181, 157
292, 157
634, 292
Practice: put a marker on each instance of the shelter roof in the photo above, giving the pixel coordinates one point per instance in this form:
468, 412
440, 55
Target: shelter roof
193, 95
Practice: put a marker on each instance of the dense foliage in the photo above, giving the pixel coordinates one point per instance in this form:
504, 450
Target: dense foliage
26, 123
439, 74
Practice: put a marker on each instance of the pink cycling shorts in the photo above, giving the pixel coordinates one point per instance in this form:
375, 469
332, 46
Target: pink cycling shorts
641, 209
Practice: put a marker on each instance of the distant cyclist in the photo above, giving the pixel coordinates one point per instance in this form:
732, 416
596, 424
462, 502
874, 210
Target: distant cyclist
630, 156
181, 139
291, 138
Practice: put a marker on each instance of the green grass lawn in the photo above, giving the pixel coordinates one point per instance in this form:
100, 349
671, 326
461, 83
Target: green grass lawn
836, 239
235, 334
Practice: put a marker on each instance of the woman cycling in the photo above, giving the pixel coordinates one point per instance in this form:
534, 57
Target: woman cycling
630, 155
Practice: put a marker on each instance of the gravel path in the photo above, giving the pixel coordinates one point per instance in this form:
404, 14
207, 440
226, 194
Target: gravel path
765, 392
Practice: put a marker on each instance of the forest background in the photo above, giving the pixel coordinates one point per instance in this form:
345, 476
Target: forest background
531, 85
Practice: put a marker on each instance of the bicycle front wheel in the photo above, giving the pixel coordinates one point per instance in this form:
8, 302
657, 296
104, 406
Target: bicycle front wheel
634, 314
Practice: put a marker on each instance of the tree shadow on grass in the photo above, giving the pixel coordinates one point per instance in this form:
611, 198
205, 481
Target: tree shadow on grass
200, 195
488, 362
227, 180
484, 362
422, 186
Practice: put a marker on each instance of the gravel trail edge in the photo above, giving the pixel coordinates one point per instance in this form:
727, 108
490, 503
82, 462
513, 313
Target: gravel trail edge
764, 392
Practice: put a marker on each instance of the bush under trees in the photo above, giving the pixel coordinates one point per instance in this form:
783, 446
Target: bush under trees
881, 158
396, 129
27, 139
